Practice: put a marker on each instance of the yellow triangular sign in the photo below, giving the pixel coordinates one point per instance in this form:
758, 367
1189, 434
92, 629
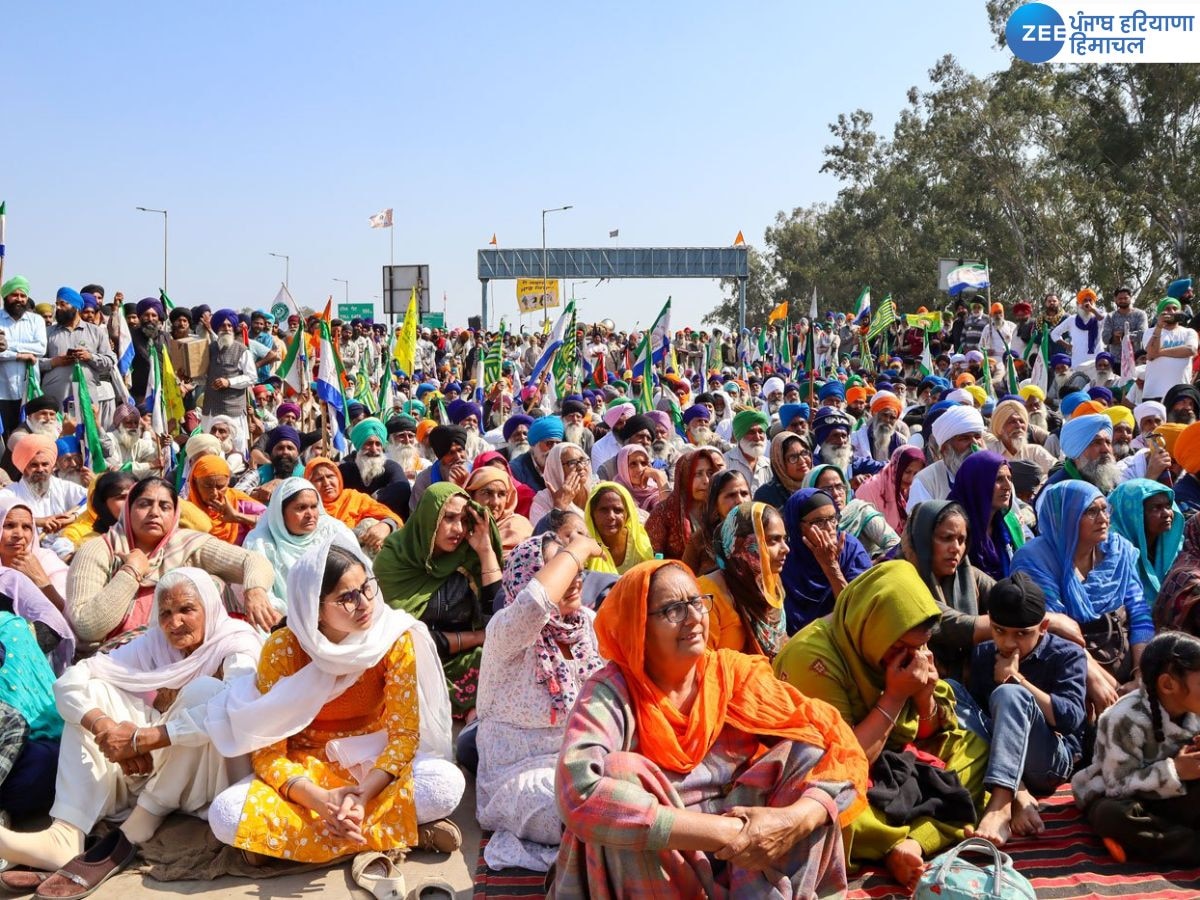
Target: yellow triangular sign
739, 241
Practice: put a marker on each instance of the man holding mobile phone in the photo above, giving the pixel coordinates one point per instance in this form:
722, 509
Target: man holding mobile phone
1170, 349
69, 341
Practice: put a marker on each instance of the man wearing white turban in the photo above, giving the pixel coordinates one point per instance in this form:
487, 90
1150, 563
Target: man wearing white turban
1148, 415
957, 434
608, 446
772, 395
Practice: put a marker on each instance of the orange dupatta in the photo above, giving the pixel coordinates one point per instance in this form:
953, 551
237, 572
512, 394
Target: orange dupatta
732, 689
351, 506
204, 467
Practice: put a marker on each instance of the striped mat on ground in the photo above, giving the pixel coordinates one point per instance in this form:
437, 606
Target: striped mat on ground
501, 884
1068, 860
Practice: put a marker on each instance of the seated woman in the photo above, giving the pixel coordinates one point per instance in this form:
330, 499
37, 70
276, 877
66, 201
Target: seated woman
679, 514
791, 461
646, 484
110, 585
1090, 572
233, 513
30, 726
569, 479
106, 499
134, 740
492, 488
21, 549
983, 487
539, 652
821, 561
870, 659
347, 724
727, 489
443, 567
663, 784
295, 523
370, 520
747, 592
887, 489
23, 598
525, 493
1176, 606
1145, 514
612, 521
856, 518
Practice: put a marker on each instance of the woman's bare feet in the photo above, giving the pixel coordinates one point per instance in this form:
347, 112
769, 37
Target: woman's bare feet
1026, 820
906, 864
996, 824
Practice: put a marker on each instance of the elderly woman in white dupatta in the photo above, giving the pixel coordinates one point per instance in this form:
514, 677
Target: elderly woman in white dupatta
540, 649
294, 525
134, 742
347, 723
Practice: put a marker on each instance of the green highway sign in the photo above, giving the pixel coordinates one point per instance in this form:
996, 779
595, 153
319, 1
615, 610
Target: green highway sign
433, 320
348, 311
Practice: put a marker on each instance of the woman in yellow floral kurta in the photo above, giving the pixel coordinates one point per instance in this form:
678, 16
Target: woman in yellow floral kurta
302, 803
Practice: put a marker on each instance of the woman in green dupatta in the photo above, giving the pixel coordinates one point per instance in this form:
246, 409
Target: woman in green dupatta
870, 660
1144, 512
856, 517
443, 567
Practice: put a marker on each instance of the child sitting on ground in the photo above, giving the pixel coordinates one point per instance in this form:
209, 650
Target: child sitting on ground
1140, 791
1034, 685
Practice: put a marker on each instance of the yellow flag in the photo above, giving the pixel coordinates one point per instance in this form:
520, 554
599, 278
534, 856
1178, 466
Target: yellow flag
779, 312
172, 397
405, 352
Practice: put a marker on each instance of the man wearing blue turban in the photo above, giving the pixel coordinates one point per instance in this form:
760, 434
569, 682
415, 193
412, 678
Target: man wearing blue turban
544, 433
70, 340
1086, 443
149, 337
230, 375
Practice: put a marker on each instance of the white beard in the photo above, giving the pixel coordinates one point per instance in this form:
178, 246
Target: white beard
660, 450
1016, 445
127, 440
1105, 474
1060, 380
953, 459
701, 435
75, 476
881, 440
1120, 451
842, 457
224, 341
1038, 419
369, 467
516, 450
39, 489
405, 455
573, 434
227, 446
46, 429
752, 449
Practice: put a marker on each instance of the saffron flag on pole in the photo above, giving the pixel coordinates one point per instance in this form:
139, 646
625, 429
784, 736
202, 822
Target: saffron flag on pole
405, 351
779, 312
86, 428
382, 219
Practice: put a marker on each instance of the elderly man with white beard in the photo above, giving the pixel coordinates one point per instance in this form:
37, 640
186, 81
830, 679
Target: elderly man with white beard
772, 395
467, 416
515, 433
230, 375
749, 453
55, 503
132, 451
1086, 443
527, 468
574, 431
370, 471
957, 433
1148, 415
223, 428
69, 466
831, 431
1040, 421
882, 434
1010, 436
665, 446
402, 447
41, 417
607, 448
697, 428
1060, 365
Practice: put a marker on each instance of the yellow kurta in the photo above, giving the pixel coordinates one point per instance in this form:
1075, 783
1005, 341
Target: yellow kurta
384, 698
725, 628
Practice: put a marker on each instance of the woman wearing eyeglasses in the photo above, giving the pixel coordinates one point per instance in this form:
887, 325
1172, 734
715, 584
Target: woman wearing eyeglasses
791, 459
492, 488
569, 478
822, 560
663, 784
540, 650
347, 724
1090, 572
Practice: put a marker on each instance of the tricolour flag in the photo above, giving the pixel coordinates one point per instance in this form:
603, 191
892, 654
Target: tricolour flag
382, 219
566, 361
884, 316
404, 353
862, 307
965, 278
294, 371
124, 343
328, 388
86, 428
659, 337
557, 335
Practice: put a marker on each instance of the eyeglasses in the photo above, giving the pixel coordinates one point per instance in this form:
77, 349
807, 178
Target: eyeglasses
829, 523
675, 613
1097, 512
580, 462
350, 600
793, 458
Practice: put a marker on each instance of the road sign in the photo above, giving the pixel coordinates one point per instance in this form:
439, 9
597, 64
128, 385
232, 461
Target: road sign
433, 320
348, 311
398, 282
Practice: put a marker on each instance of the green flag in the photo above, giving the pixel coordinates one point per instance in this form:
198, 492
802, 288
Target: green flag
87, 429
493, 366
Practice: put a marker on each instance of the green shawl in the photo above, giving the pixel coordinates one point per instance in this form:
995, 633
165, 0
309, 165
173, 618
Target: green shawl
408, 571
838, 658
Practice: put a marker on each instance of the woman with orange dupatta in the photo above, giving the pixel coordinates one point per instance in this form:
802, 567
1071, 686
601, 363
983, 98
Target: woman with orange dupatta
369, 519
233, 513
690, 772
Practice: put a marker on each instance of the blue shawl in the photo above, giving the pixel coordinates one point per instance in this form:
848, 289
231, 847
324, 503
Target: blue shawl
1129, 521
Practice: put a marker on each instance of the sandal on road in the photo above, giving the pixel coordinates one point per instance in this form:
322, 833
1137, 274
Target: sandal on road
433, 889
22, 881
377, 874
85, 873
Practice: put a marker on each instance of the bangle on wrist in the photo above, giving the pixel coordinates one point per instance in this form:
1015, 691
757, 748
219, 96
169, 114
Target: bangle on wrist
570, 553
887, 715
96, 721
134, 742
489, 571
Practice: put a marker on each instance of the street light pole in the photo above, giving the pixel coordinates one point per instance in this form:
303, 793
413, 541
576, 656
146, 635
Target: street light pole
164, 215
545, 267
347, 284
287, 265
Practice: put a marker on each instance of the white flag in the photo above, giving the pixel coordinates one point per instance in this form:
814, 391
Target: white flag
382, 219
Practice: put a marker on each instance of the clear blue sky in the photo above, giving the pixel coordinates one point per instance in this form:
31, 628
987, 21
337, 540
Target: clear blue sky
283, 126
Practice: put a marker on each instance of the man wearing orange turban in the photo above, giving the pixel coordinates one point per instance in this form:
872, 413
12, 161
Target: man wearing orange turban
882, 433
55, 503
